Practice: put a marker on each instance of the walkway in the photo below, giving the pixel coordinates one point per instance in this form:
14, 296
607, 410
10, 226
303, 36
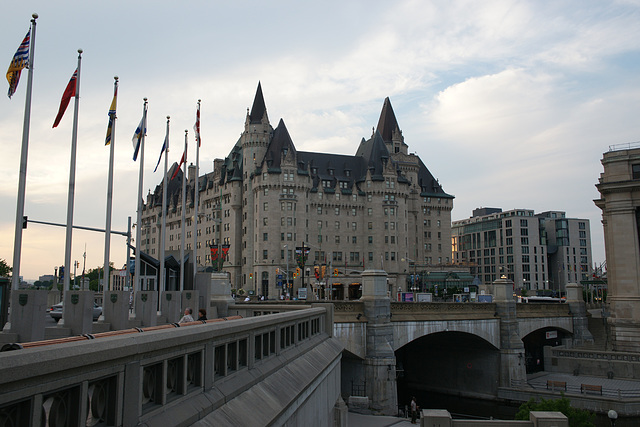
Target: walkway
610, 387
359, 420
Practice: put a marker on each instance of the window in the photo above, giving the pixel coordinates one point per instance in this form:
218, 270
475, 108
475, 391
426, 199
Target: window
635, 171
337, 211
319, 210
265, 206
265, 254
265, 237
337, 225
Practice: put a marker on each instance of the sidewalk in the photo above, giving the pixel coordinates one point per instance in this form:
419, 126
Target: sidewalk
359, 420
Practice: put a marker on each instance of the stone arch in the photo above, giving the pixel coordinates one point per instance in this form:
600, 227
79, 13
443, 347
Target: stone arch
406, 332
527, 326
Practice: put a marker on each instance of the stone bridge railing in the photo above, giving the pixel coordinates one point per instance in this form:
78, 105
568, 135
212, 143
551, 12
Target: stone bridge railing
348, 311
176, 376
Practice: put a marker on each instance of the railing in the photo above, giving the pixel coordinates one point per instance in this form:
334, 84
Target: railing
591, 390
624, 146
139, 377
596, 355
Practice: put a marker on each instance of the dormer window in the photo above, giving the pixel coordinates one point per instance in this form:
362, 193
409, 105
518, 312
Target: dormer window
314, 171
285, 150
347, 172
331, 172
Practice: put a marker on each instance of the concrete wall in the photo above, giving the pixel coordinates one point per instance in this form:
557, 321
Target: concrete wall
595, 363
222, 373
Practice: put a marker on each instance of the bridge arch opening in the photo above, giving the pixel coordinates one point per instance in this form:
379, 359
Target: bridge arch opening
534, 343
453, 363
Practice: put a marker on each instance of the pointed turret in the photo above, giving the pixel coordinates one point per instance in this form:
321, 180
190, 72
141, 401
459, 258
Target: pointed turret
389, 129
258, 109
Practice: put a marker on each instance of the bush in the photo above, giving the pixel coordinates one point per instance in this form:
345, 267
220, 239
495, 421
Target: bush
577, 417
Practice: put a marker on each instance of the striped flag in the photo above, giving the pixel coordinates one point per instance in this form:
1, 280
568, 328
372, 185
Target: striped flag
196, 127
112, 116
69, 92
20, 60
137, 138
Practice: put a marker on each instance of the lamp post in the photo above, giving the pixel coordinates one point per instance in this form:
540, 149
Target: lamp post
613, 416
286, 248
414, 288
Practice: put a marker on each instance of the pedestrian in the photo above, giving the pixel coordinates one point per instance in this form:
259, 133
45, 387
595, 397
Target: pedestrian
187, 315
414, 410
202, 314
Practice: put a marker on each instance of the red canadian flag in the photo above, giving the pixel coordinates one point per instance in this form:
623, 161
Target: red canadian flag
69, 93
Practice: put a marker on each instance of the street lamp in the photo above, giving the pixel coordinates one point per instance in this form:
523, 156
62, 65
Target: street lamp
413, 285
613, 416
286, 247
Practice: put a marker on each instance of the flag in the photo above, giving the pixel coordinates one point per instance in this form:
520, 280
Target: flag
137, 138
69, 93
196, 127
20, 60
112, 116
164, 147
182, 160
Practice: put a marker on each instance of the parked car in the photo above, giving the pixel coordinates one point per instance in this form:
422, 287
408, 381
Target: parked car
56, 311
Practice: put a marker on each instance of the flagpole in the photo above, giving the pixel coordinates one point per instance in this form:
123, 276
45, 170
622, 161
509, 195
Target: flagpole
22, 181
163, 280
138, 242
107, 236
195, 197
72, 183
184, 210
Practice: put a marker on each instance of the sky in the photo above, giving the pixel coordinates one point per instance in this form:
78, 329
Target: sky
510, 104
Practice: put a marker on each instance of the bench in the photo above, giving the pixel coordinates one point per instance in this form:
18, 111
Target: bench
587, 388
556, 385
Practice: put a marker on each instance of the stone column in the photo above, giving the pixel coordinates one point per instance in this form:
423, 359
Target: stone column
512, 361
190, 300
147, 307
575, 299
77, 312
115, 309
220, 295
28, 311
380, 360
170, 306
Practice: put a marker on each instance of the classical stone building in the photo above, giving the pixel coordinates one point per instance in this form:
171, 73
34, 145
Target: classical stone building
536, 251
379, 208
619, 187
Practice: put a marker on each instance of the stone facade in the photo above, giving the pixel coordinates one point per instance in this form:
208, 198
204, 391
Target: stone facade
378, 209
619, 187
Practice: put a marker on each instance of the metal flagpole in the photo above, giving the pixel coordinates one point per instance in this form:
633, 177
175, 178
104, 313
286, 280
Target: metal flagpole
184, 209
196, 191
22, 182
72, 184
138, 242
163, 280
107, 235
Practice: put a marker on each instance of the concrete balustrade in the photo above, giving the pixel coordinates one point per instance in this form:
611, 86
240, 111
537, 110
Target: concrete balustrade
195, 374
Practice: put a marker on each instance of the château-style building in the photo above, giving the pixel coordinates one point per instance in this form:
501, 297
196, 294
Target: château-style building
380, 208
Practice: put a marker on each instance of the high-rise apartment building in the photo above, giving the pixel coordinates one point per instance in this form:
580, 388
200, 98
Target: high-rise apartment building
535, 251
380, 208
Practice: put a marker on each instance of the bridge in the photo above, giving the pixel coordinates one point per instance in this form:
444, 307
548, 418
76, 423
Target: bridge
282, 369
291, 363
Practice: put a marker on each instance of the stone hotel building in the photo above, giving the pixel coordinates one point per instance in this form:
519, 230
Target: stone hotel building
380, 208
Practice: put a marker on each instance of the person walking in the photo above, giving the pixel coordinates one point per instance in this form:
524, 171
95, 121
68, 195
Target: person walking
414, 410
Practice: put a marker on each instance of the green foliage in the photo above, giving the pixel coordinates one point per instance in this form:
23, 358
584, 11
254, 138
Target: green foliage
577, 417
524, 292
240, 291
5, 269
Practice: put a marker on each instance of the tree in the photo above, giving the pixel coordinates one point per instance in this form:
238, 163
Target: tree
5, 269
577, 417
